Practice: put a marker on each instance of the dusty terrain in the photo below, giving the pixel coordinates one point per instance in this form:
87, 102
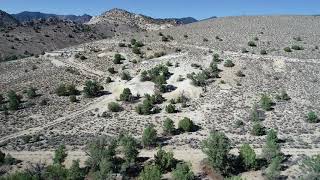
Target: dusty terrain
37, 129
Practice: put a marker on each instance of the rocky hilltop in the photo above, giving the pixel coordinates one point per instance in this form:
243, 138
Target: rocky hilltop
120, 16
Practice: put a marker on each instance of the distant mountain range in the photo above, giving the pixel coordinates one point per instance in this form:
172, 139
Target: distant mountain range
30, 16
32, 33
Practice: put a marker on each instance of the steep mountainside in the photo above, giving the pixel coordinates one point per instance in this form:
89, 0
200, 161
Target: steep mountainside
30, 16
7, 20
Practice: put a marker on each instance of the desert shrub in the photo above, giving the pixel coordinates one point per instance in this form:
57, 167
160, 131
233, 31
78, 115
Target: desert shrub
149, 136
217, 147
252, 44
155, 99
263, 52
199, 79
66, 90
159, 54
164, 39
159, 74
126, 76
59, 155
311, 167
31, 92
146, 108
283, 96
164, 160
129, 148
287, 49
168, 126
150, 172
171, 108
205, 40
126, 95
228, 63
73, 98
83, 57
256, 38
244, 50
258, 129
111, 70
216, 58
139, 44
75, 172
240, 73
312, 117
92, 89
133, 41
122, 45
136, 50
266, 102
273, 170
108, 80
182, 172
1, 99
2, 157
14, 100
247, 156
297, 38
297, 47
186, 125
239, 123
114, 107
117, 59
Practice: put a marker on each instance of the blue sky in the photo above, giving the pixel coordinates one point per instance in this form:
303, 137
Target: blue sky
167, 8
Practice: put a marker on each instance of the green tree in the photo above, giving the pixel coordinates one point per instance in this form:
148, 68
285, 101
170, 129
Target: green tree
75, 172
271, 149
129, 148
311, 167
92, 89
145, 108
273, 170
272, 135
59, 155
150, 172
101, 149
14, 100
217, 147
266, 102
182, 172
168, 126
164, 160
55, 172
149, 136
248, 156
126, 95
186, 125
105, 170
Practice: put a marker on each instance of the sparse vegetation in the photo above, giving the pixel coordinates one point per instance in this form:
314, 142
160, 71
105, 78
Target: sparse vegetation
312, 117
149, 136
168, 126
186, 125
114, 107
92, 89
